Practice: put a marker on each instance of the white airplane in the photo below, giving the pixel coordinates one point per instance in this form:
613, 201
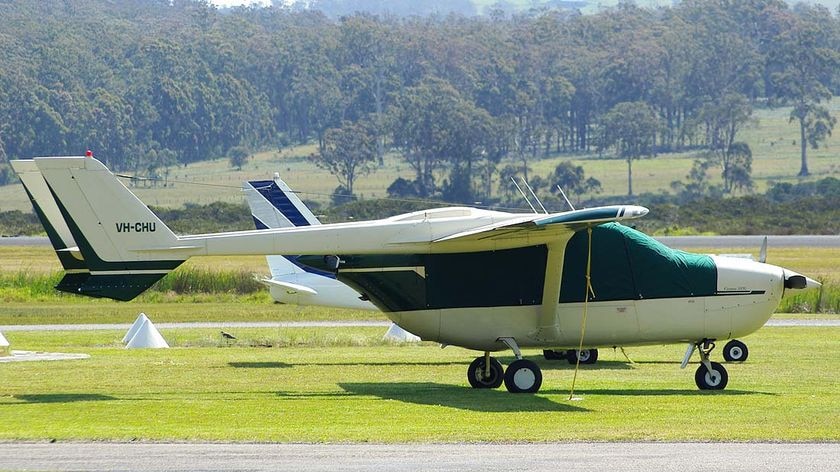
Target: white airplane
274, 205
479, 279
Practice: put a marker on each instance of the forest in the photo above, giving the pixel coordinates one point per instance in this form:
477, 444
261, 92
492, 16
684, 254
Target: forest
462, 100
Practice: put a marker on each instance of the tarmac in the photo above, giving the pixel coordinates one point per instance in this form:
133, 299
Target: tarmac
521, 457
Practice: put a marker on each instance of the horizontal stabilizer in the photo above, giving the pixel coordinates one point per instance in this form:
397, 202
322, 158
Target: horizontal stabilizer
290, 286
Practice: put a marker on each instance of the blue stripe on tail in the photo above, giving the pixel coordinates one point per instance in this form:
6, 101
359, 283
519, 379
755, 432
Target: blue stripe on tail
271, 192
278, 199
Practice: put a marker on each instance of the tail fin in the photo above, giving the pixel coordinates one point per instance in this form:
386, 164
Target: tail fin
275, 205
113, 229
75, 268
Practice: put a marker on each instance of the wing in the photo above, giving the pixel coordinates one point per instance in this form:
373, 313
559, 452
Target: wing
542, 226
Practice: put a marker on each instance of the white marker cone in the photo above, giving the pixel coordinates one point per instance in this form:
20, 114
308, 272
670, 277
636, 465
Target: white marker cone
147, 337
4, 345
134, 327
399, 335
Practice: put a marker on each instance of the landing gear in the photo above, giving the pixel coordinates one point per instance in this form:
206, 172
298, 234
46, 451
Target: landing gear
735, 351
586, 356
523, 376
709, 375
485, 372
714, 379
552, 355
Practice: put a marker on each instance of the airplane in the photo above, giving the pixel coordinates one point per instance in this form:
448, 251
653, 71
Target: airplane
274, 205
480, 279
272, 201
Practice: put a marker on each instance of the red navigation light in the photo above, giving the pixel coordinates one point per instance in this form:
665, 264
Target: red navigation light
89, 153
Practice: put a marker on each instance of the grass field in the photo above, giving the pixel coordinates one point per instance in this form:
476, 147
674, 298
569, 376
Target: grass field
772, 139
346, 385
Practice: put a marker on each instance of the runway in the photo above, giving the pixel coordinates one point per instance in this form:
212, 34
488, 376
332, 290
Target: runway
823, 323
567, 457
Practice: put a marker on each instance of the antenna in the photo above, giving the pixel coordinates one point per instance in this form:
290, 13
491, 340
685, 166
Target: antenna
523, 195
565, 198
524, 182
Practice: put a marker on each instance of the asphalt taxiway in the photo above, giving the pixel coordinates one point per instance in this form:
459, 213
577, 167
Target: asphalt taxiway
566, 457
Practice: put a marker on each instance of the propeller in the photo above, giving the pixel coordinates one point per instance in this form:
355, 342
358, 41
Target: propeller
762, 253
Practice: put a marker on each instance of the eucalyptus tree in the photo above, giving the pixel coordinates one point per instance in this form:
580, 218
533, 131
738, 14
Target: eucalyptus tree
349, 152
630, 128
807, 54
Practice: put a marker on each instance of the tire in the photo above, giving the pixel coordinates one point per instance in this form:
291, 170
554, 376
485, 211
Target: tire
735, 351
475, 374
587, 356
552, 355
523, 376
717, 380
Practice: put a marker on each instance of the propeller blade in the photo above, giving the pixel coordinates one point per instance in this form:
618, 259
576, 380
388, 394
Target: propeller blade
762, 253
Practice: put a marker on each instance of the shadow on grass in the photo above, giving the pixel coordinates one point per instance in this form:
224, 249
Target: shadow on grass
63, 397
259, 365
382, 363
564, 364
453, 396
657, 392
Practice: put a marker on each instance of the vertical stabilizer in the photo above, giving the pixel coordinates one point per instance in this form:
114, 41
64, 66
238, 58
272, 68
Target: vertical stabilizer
110, 226
47, 211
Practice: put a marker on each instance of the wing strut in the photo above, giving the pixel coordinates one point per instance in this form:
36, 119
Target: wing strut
589, 291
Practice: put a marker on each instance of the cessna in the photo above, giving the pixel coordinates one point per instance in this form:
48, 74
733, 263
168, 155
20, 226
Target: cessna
480, 279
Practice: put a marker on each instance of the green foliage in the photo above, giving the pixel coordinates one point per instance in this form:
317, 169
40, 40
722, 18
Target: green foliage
213, 217
349, 152
17, 223
631, 128
238, 156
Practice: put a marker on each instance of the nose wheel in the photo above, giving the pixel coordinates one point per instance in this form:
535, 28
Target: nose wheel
709, 375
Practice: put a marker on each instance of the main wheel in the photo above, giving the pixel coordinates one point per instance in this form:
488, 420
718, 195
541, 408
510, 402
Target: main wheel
735, 351
523, 376
587, 356
714, 380
476, 374
552, 355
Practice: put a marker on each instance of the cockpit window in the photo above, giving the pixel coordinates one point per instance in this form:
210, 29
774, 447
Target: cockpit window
630, 265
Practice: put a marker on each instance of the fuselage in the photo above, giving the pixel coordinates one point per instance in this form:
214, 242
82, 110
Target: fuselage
641, 293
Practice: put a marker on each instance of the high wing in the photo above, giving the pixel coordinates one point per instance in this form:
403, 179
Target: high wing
118, 234
118, 226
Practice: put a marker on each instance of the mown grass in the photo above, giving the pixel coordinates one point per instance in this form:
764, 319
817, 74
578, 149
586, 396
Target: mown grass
325, 390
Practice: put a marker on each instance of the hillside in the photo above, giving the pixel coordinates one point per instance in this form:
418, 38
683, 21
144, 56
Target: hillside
771, 137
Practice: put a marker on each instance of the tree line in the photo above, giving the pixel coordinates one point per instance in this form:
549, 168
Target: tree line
464, 101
